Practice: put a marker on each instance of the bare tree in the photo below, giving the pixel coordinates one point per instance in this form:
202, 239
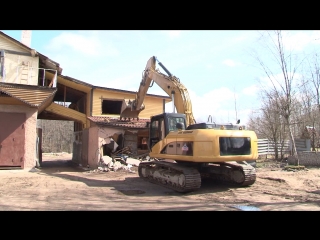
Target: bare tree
269, 125
310, 98
315, 80
281, 89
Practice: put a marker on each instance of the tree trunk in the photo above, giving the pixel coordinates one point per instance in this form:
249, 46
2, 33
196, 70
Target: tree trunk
294, 150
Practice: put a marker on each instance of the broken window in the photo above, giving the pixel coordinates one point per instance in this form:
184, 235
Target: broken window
111, 107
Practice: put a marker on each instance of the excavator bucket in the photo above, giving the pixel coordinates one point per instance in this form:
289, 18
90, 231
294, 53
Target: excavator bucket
127, 110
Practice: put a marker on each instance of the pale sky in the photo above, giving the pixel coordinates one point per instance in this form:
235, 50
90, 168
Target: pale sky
214, 65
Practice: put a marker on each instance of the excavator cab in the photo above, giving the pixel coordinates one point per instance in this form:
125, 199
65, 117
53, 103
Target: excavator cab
162, 124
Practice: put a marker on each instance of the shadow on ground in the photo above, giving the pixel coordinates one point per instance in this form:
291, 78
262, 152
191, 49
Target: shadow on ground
130, 185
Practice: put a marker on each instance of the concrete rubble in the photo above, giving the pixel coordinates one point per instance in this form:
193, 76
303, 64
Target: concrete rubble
107, 164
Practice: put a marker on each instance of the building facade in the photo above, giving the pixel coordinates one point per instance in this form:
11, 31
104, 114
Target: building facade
32, 87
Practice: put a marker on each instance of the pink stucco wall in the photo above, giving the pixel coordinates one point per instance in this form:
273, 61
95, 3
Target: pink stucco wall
93, 146
30, 132
97, 137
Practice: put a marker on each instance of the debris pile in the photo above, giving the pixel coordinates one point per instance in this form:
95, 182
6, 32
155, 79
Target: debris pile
117, 162
122, 159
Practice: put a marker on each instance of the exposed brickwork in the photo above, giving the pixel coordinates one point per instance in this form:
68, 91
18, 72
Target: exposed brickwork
306, 158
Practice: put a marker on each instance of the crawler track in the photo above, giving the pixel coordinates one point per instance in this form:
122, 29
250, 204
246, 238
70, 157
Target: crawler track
187, 178
170, 175
238, 174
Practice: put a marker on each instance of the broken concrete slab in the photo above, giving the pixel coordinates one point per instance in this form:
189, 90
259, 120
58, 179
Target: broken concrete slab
133, 161
117, 165
106, 159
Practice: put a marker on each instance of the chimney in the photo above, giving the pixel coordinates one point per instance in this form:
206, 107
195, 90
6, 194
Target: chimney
26, 37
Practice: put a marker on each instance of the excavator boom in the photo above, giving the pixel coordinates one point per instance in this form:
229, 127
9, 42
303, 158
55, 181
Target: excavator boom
169, 83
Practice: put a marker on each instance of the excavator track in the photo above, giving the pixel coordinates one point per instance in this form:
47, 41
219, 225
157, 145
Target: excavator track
170, 175
240, 174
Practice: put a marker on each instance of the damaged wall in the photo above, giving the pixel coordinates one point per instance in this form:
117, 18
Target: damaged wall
20, 69
17, 64
97, 137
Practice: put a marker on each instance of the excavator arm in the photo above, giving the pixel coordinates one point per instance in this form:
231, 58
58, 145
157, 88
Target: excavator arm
169, 83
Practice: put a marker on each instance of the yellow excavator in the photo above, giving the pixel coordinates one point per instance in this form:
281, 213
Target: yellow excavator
183, 152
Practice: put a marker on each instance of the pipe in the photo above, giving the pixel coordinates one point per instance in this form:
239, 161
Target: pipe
163, 67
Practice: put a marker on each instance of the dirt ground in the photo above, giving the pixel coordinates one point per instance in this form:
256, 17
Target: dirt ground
61, 185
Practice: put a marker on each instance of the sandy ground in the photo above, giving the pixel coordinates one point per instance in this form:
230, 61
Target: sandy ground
60, 185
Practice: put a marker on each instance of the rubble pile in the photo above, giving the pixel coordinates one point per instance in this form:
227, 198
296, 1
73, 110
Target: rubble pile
122, 159
117, 162
107, 163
